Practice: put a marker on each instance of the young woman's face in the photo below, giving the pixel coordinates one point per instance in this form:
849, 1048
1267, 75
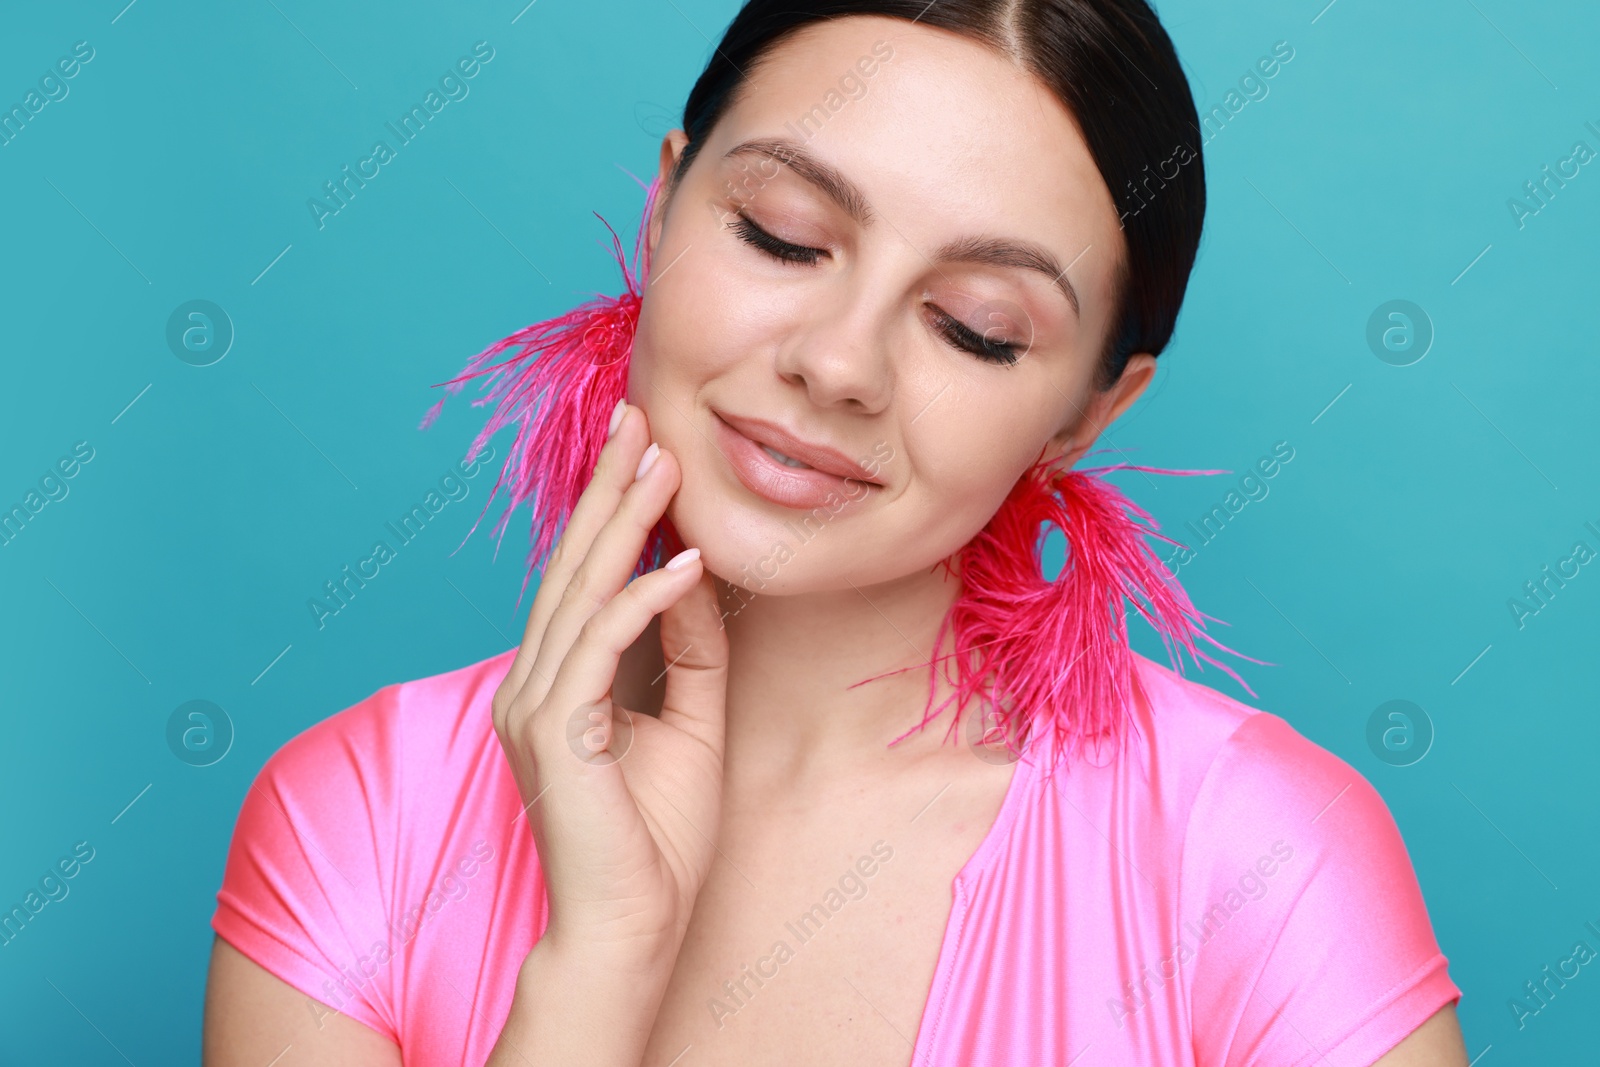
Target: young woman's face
872, 256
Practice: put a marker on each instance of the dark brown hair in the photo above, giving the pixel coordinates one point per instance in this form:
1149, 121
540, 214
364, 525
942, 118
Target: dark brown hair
1113, 67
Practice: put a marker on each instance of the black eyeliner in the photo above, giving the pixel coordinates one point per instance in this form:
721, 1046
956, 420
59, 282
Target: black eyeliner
752, 234
965, 337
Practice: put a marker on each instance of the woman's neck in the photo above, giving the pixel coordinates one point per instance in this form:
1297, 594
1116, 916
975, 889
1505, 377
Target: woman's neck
792, 662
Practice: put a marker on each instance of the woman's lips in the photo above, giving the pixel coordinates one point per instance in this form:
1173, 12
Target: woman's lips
791, 487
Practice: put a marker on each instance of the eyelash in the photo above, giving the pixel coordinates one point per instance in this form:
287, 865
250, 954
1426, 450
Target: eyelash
752, 234
957, 333
1003, 353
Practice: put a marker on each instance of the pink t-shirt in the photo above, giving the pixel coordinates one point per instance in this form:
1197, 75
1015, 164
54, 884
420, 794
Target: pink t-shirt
1220, 892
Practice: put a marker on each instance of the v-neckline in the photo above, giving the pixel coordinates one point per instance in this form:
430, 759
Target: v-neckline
933, 1009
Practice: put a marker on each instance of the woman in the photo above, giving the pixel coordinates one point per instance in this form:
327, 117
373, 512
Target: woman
909, 261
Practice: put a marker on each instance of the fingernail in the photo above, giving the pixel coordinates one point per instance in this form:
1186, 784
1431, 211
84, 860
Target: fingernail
647, 460
683, 559
616, 417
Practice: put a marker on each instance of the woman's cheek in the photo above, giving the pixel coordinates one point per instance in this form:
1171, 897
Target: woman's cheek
705, 322
967, 481
668, 351
938, 532
748, 313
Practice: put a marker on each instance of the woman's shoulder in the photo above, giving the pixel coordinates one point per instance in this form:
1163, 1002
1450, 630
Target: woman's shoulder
406, 725
1217, 741
1296, 893
342, 836
391, 765
1242, 781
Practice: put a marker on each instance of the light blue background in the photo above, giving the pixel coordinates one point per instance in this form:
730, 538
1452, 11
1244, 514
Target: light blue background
219, 499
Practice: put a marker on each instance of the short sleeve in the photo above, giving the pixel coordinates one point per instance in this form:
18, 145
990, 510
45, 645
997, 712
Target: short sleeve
303, 893
1312, 941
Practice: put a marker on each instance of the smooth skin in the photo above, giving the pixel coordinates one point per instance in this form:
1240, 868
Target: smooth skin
757, 741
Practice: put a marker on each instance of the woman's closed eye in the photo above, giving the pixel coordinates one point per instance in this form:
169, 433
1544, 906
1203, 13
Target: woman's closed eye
953, 330
775, 247
968, 339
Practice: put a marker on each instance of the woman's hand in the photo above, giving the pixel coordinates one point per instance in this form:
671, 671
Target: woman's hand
623, 807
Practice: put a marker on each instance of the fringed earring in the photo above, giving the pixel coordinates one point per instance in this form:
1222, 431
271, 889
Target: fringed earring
560, 389
1052, 656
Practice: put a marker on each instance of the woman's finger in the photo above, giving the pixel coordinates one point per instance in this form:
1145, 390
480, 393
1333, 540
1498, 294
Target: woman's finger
694, 646
590, 665
613, 473
611, 558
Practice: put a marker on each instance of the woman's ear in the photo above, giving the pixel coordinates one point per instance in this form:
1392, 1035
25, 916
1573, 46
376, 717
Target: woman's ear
1085, 425
672, 146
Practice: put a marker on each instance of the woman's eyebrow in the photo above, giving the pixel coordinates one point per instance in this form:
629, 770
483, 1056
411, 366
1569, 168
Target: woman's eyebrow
997, 251
1006, 252
825, 176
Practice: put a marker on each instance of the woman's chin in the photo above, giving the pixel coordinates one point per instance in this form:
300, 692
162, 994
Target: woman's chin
750, 551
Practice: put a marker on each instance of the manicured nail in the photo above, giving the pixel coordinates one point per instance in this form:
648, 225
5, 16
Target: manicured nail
683, 559
647, 460
616, 417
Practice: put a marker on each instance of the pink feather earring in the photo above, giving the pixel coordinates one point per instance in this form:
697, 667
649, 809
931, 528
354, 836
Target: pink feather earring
1050, 658
559, 389
1038, 652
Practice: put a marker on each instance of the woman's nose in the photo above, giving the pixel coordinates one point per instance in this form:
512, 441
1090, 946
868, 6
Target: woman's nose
841, 356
